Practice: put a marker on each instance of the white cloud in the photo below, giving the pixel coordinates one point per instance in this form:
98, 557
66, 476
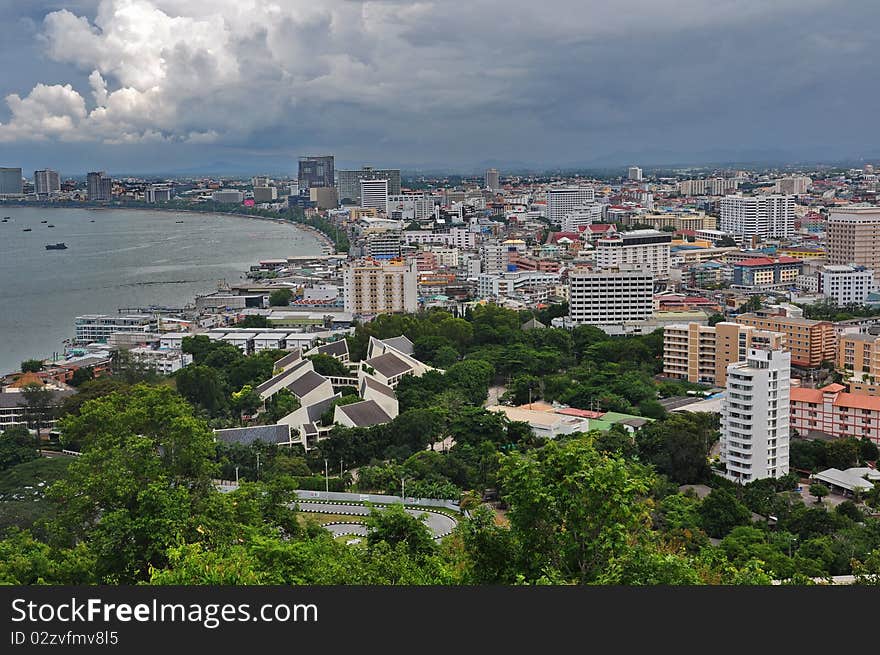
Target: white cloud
220, 70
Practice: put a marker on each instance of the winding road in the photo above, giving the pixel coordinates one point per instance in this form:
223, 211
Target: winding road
439, 524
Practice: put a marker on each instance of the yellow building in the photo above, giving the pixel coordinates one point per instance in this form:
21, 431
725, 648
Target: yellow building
701, 353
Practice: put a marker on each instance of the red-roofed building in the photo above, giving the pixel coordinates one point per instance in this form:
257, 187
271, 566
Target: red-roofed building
832, 411
764, 272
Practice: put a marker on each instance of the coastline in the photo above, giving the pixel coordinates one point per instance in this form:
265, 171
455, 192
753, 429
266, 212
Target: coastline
327, 245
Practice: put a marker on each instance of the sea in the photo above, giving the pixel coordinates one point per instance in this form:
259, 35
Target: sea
119, 258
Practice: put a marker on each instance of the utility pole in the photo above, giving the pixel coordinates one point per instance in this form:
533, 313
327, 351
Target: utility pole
403, 491
258, 466
326, 477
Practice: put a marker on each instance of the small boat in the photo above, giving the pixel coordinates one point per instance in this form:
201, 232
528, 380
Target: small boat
44, 221
178, 221
50, 225
56, 246
27, 229
92, 221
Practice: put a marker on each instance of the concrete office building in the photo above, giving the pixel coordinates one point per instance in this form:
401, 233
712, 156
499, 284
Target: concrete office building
845, 284
493, 179
755, 415
349, 183
371, 286
610, 297
716, 186
47, 182
324, 197
99, 186
757, 217
265, 194
410, 206
634, 174
157, 193
316, 171
701, 353
795, 186
561, 201
581, 217
99, 327
374, 193
645, 250
10, 182
854, 236
228, 196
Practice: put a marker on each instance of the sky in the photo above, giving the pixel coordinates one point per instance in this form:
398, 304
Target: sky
246, 85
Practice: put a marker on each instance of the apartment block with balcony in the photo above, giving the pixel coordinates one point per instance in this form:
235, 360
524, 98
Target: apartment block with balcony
810, 342
755, 416
701, 353
832, 412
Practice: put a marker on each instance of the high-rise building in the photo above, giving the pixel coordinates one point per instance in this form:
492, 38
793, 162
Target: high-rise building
316, 171
492, 179
99, 186
265, 194
157, 193
349, 183
561, 201
610, 297
701, 353
796, 186
47, 182
854, 236
755, 415
380, 287
10, 182
645, 250
760, 217
374, 193
634, 173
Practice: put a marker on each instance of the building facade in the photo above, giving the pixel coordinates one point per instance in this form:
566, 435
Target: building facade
757, 217
646, 250
810, 342
492, 179
47, 182
10, 182
755, 416
561, 201
374, 193
830, 411
853, 235
99, 186
371, 286
765, 272
316, 171
349, 183
701, 353
610, 297
845, 284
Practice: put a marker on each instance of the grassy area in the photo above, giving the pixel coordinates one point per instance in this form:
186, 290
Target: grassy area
22, 489
323, 519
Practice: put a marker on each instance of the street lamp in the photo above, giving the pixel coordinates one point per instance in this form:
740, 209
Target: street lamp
236, 475
326, 477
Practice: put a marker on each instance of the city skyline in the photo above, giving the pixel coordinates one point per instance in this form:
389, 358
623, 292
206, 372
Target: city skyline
140, 86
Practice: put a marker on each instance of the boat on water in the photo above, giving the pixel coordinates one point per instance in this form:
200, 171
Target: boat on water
27, 229
178, 221
44, 221
50, 225
56, 246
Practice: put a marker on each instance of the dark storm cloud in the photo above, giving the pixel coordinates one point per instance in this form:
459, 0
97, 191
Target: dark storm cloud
447, 83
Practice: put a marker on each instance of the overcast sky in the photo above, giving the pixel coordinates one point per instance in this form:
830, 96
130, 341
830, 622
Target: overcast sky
168, 85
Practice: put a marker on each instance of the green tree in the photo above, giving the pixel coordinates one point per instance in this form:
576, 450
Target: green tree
253, 321
16, 446
720, 512
868, 451
329, 366
38, 408
202, 386
491, 549
819, 490
395, 526
31, 366
82, 375
573, 509
246, 401
679, 446
280, 297
842, 453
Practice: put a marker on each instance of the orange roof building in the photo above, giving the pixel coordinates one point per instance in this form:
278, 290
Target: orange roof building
834, 412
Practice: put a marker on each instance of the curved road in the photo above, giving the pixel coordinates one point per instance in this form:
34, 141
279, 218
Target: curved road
439, 524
